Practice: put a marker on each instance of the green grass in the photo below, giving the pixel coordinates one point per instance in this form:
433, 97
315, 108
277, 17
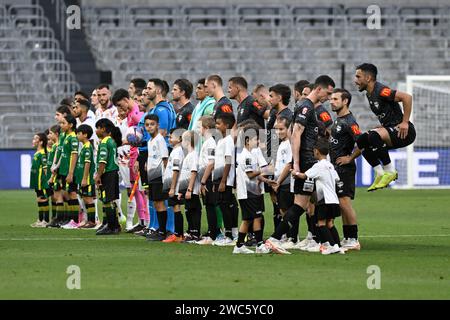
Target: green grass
33, 262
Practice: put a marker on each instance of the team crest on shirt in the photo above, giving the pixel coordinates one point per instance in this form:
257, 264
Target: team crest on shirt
338, 128
376, 104
304, 110
180, 117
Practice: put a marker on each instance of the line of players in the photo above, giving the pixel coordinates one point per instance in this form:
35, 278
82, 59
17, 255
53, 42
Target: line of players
218, 154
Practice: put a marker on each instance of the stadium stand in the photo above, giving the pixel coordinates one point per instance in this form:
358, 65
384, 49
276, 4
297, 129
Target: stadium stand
34, 75
266, 44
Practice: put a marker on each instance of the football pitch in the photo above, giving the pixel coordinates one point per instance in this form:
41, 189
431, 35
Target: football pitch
404, 233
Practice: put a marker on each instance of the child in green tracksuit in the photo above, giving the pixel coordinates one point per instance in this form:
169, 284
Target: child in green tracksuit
38, 180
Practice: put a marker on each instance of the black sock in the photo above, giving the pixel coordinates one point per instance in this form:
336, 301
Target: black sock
90, 208
241, 238
46, 211
276, 215
189, 220
162, 220
379, 147
104, 218
178, 217
234, 208
59, 211
142, 222
346, 230
40, 211
292, 215
227, 218
211, 217
314, 225
335, 235
54, 210
309, 222
196, 220
353, 231
259, 237
74, 209
324, 235
66, 211
43, 211
293, 232
371, 157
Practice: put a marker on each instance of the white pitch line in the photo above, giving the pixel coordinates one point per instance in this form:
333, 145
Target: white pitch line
65, 239
113, 238
405, 236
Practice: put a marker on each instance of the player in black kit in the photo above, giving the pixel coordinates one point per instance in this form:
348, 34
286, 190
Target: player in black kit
303, 139
344, 134
396, 130
181, 93
248, 107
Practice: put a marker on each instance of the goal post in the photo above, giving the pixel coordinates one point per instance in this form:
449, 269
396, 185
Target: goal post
428, 158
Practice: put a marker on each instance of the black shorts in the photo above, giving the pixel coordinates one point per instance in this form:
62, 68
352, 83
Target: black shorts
193, 203
251, 208
88, 191
346, 187
49, 190
109, 190
398, 143
173, 201
285, 197
327, 211
57, 184
41, 194
155, 190
263, 205
210, 197
304, 187
69, 187
142, 160
225, 197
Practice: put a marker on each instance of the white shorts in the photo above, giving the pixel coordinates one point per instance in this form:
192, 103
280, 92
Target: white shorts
124, 176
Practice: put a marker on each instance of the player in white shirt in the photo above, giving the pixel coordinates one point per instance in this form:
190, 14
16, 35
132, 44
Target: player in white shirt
106, 109
325, 177
205, 169
249, 191
223, 175
263, 166
156, 164
283, 166
170, 182
189, 187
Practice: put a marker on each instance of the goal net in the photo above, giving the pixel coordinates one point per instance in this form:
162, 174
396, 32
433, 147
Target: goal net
426, 163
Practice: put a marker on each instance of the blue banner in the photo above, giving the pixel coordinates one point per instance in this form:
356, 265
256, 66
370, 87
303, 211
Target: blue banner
431, 168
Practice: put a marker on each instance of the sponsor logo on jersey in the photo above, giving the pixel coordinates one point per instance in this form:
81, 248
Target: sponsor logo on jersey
386, 92
324, 116
355, 129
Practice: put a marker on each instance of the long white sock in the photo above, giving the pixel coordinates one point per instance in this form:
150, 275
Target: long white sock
118, 203
131, 210
82, 207
379, 170
96, 209
389, 167
234, 232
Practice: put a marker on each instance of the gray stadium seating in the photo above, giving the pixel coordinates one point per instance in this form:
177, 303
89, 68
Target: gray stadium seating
34, 76
266, 44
